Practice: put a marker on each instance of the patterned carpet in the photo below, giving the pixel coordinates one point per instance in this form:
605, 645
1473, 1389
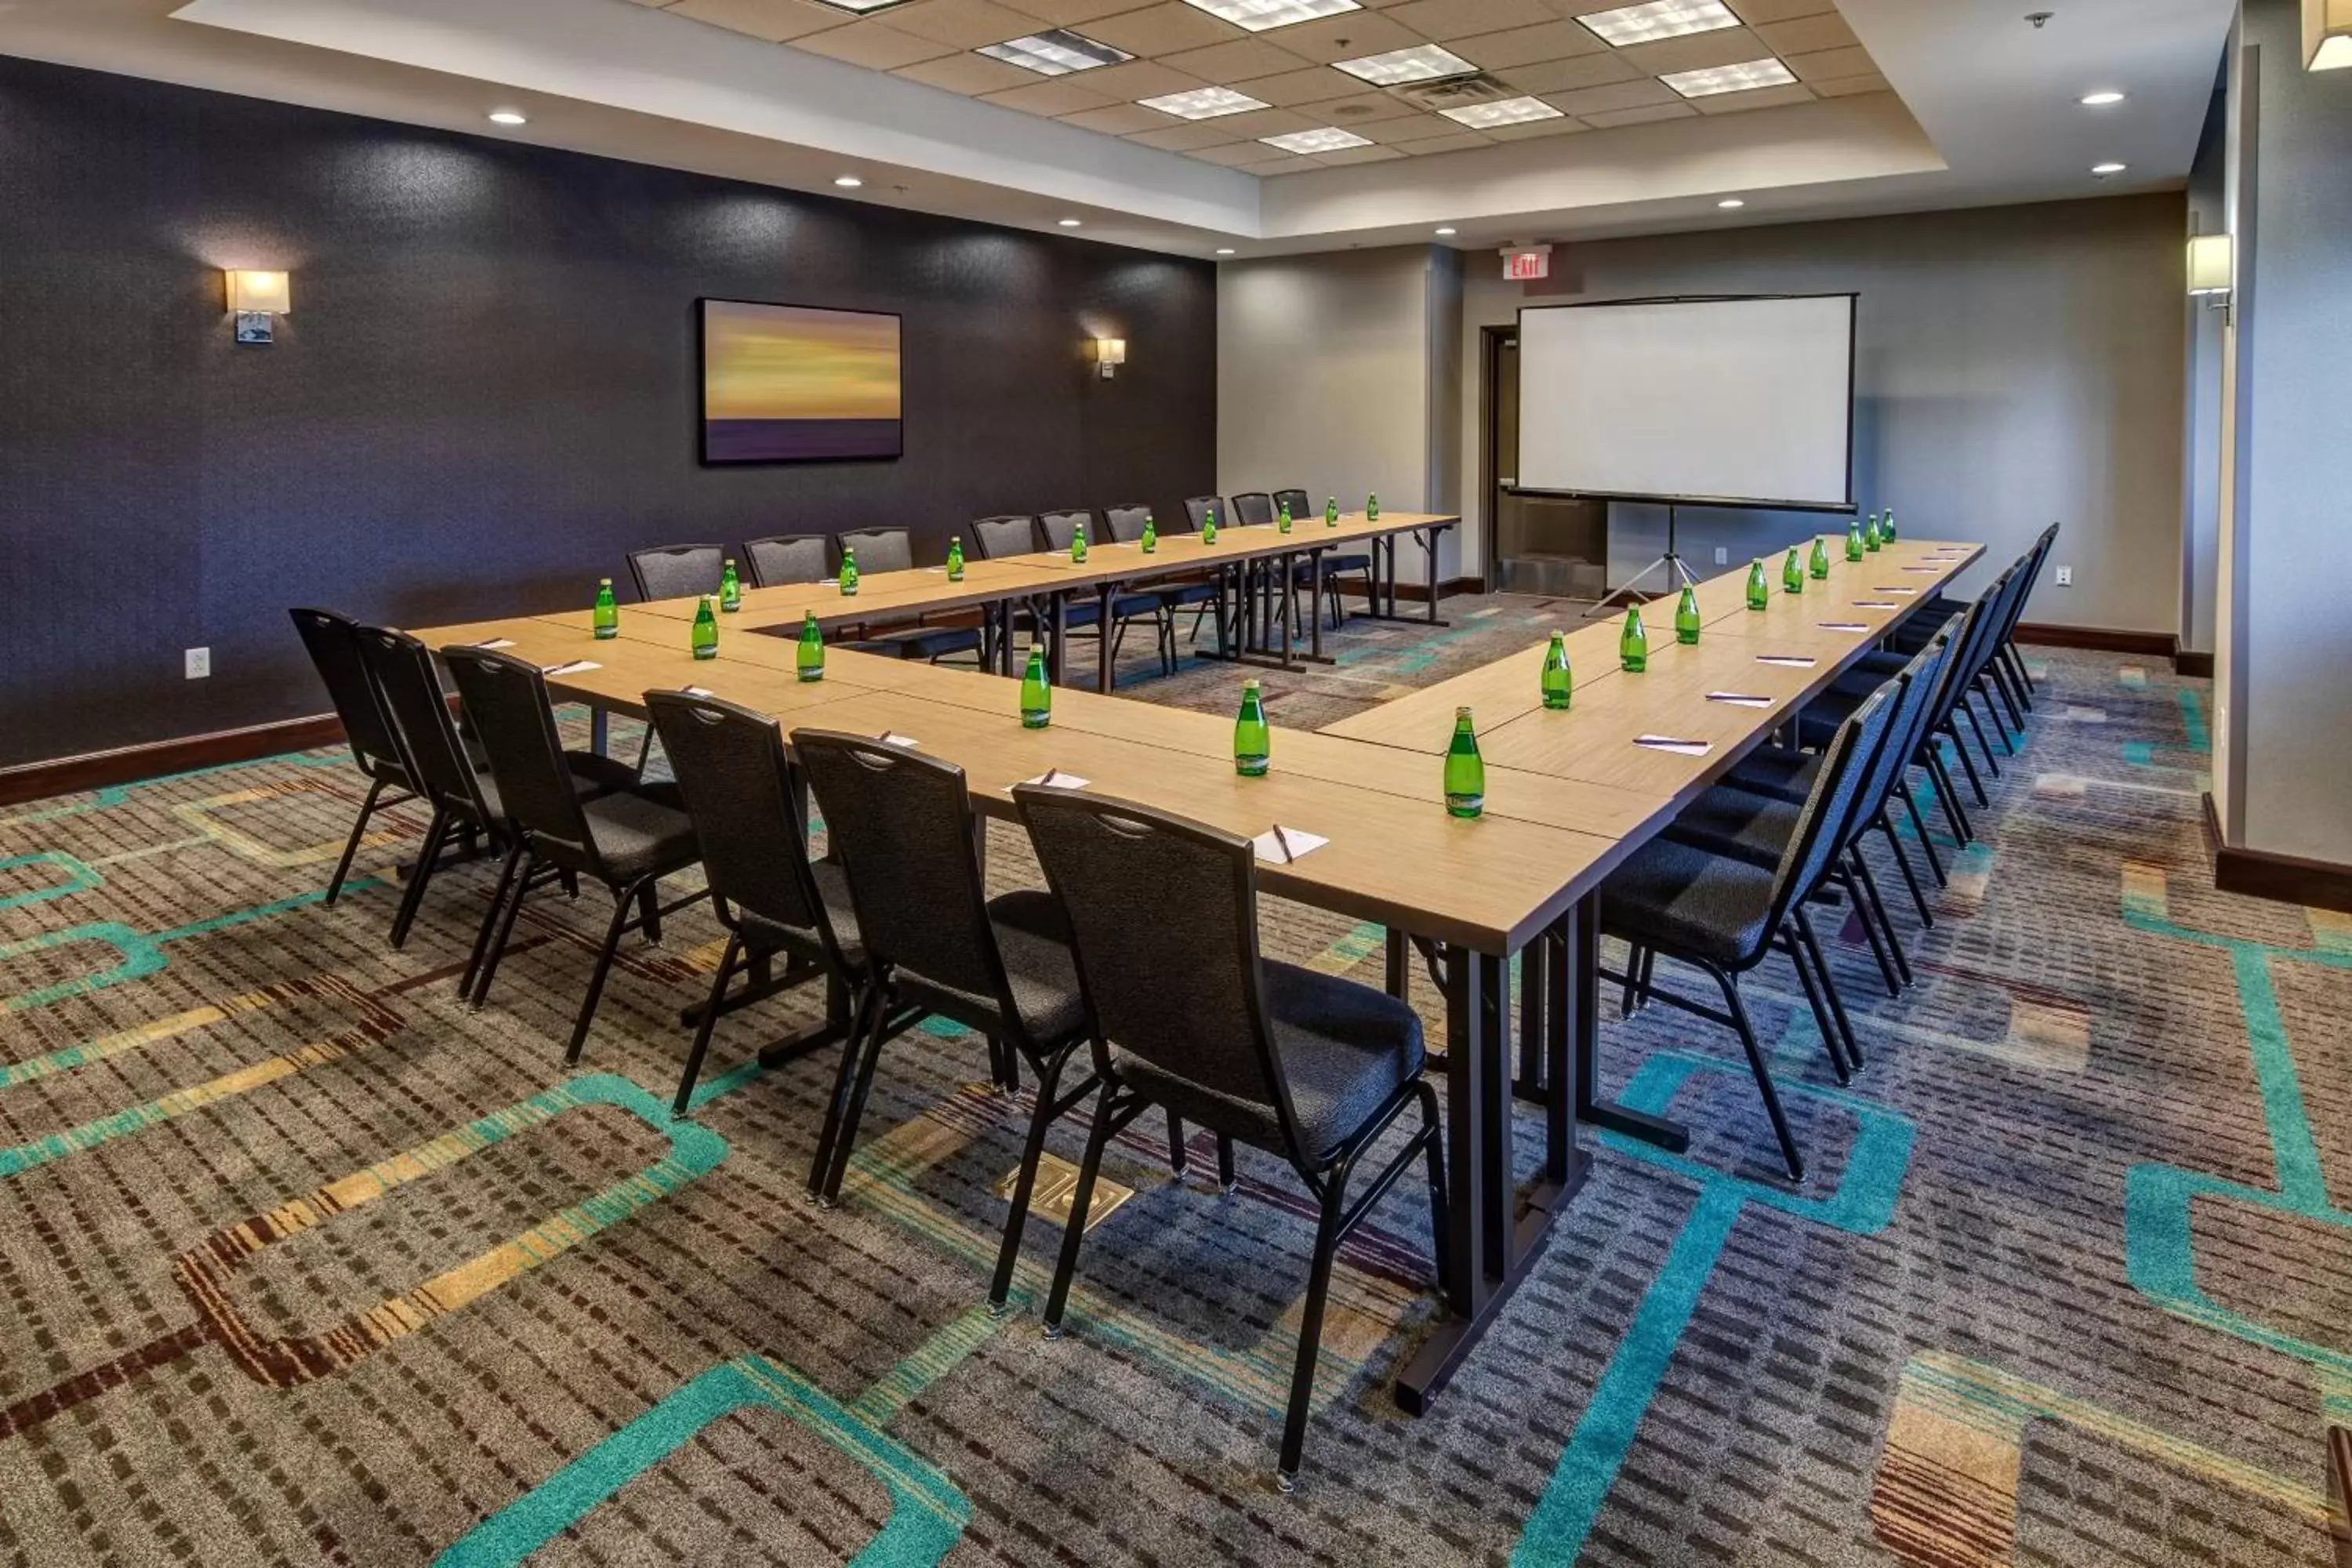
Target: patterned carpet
303, 1263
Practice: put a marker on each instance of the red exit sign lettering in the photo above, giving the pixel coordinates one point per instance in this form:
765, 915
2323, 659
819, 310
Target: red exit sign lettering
1527, 266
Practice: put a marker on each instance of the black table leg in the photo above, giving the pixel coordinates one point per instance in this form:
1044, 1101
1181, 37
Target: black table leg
1058, 634
1584, 959
1315, 604
1429, 547
1104, 673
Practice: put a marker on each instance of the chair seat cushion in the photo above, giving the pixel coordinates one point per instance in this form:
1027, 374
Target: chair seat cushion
833, 886
1684, 900
593, 774
923, 642
1778, 771
1185, 595
1032, 937
1730, 820
642, 832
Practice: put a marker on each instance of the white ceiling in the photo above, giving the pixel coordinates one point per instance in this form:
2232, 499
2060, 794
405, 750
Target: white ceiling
1983, 107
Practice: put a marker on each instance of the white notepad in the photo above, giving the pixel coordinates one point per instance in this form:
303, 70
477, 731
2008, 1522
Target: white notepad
577, 667
892, 738
1846, 626
1283, 845
1668, 743
1739, 699
1788, 660
696, 690
496, 642
1876, 605
1054, 778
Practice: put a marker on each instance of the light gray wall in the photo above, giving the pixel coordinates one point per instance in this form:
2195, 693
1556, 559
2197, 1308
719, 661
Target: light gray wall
2295, 642
2013, 365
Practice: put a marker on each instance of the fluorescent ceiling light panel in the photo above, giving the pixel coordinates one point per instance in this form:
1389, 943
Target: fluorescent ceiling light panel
1745, 77
1658, 19
1056, 51
1202, 103
1257, 16
2333, 54
862, 7
1330, 138
1422, 62
1509, 111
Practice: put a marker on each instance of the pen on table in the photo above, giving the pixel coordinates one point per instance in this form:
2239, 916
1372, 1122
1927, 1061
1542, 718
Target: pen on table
1282, 842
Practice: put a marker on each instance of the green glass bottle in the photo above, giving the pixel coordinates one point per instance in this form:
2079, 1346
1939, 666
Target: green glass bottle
1820, 563
1078, 543
1372, 508
1634, 643
809, 658
1466, 770
1870, 537
1887, 527
848, 573
1854, 539
1253, 742
1331, 511
1150, 535
607, 614
731, 588
1208, 526
1282, 518
955, 560
704, 639
1558, 680
1759, 588
1686, 621
1792, 574
1036, 694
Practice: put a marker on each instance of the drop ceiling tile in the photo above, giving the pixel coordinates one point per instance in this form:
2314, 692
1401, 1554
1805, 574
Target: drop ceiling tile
774, 20
1529, 130
1407, 128
1527, 45
1234, 63
1189, 135
1604, 120
1806, 35
968, 73
1755, 98
1260, 122
1142, 78
1053, 96
1439, 20
1234, 154
1755, 11
1118, 120
871, 44
1636, 94
964, 24
1373, 154
1694, 51
1163, 29
1292, 87
1851, 86
1564, 75
1072, 13
1279, 164
1455, 140
1357, 109
1347, 36
1830, 64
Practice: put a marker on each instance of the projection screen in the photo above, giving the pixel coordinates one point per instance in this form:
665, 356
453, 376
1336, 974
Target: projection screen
1745, 401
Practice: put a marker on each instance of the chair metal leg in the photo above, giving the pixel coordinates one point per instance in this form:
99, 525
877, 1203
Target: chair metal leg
1073, 1229
1919, 826
649, 912
1438, 1209
709, 1022
1830, 1041
1968, 763
436, 835
1227, 1179
1869, 880
853, 1104
871, 1000
497, 947
1910, 878
1795, 1162
1966, 709
2006, 684
1042, 1117
1980, 694
1812, 940
352, 845
1843, 877
1310, 1329
490, 922
1949, 795
2024, 676
1177, 1163
613, 932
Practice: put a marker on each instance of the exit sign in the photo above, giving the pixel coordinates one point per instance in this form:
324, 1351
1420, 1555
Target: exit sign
1527, 264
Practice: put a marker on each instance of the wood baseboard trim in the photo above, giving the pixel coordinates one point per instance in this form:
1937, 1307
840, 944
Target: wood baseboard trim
2198, 666
2152, 644
129, 764
1418, 593
2285, 879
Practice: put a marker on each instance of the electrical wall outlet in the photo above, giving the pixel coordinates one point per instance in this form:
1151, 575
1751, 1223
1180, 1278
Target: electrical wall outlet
199, 663
2065, 576
1722, 555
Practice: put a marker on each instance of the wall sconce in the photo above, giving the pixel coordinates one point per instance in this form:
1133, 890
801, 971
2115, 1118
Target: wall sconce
2326, 35
259, 298
2212, 271
1109, 353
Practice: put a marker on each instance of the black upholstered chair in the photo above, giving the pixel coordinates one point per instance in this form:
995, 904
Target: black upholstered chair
1308, 1066
1060, 528
332, 642
1725, 915
995, 538
1253, 508
1197, 509
902, 825
1125, 523
730, 767
627, 840
893, 550
676, 570
1355, 563
781, 559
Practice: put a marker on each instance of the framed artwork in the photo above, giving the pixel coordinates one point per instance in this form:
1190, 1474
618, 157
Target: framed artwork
791, 384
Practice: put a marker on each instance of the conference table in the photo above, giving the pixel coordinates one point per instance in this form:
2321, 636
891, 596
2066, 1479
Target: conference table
1569, 794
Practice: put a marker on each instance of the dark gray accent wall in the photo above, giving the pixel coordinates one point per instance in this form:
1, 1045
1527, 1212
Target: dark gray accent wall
486, 391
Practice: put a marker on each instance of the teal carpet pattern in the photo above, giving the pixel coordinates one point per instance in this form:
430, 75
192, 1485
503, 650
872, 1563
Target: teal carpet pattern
302, 1262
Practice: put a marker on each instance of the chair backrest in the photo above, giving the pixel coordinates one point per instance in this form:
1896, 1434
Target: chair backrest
1060, 526
1196, 509
729, 766
333, 644
676, 570
997, 537
879, 548
1295, 499
1125, 523
1251, 508
2001, 599
901, 826
2028, 569
506, 698
1821, 831
782, 558
1202, 1018
1922, 681
431, 748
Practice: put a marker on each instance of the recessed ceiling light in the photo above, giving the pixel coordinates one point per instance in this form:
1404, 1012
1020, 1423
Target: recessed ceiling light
1442, 232
1202, 103
1257, 16
1326, 139
1659, 20
1509, 111
1224, 250
1422, 62
1069, 223
2102, 98
861, 7
508, 117
847, 182
1745, 77
1731, 204
2103, 170
1056, 51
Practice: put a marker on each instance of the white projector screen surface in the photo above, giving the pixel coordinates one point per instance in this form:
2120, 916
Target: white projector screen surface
1741, 401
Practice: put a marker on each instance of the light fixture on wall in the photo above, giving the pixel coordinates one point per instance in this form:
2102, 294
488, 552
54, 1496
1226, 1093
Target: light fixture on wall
258, 298
2211, 269
2326, 35
1109, 353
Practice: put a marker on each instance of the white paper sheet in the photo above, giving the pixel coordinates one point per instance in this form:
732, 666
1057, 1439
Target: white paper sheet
1668, 743
1283, 845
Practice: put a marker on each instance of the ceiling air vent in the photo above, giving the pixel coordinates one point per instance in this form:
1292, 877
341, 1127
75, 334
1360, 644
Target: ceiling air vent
1454, 92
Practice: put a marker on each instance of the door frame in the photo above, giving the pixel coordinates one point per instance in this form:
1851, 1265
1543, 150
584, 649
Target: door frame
1490, 354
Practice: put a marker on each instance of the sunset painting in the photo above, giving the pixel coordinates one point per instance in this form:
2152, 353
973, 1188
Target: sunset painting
786, 383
